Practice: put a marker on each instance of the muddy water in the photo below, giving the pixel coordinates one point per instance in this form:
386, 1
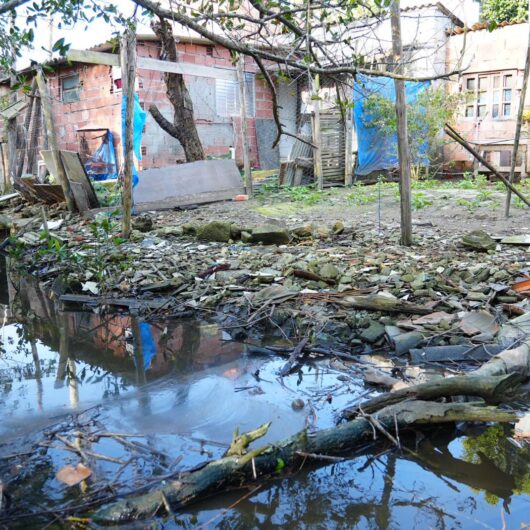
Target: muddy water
182, 387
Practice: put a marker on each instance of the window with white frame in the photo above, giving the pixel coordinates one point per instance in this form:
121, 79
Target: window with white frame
490, 95
227, 96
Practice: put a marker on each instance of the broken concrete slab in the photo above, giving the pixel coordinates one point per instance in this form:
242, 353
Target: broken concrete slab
182, 184
271, 233
478, 322
479, 240
404, 342
442, 354
516, 240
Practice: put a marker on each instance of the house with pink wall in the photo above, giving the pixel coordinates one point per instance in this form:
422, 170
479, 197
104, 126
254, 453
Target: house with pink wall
493, 65
87, 101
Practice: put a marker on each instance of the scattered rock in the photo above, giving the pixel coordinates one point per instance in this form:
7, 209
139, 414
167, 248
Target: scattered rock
142, 223
271, 233
338, 228
220, 231
373, 332
297, 404
478, 240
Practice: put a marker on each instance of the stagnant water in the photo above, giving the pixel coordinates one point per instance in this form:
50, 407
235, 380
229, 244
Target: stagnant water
183, 387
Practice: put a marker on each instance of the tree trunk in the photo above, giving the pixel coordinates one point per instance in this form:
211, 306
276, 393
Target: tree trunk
402, 129
183, 127
291, 453
128, 66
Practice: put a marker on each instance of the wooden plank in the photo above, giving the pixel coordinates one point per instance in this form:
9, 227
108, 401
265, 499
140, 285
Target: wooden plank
14, 110
147, 63
83, 192
46, 102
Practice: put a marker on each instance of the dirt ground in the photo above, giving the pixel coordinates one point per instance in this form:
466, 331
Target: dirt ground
450, 210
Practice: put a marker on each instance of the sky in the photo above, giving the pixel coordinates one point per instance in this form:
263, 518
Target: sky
79, 36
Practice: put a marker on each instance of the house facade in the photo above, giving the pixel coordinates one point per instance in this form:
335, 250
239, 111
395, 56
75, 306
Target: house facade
490, 85
87, 100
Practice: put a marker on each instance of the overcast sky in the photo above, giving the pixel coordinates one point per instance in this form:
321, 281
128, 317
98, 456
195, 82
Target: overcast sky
80, 36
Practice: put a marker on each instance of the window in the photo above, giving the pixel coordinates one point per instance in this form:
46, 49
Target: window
489, 95
70, 88
227, 96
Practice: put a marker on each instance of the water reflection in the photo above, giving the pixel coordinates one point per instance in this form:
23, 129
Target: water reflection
177, 382
55, 361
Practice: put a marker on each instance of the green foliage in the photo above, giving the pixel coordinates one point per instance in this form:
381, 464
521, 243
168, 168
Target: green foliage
420, 200
497, 11
361, 195
426, 117
304, 194
107, 195
469, 205
493, 446
470, 183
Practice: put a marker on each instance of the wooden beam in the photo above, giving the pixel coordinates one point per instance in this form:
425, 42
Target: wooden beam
128, 69
147, 63
402, 129
244, 127
452, 133
317, 135
46, 103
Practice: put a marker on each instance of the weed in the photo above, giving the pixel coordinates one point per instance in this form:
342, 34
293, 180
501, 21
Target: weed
305, 194
485, 195
470, 206
420, 200
361, 195
470, 183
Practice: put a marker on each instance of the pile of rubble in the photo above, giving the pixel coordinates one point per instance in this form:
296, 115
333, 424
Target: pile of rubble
338, 285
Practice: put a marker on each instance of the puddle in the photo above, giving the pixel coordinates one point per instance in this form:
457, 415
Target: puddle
182, 387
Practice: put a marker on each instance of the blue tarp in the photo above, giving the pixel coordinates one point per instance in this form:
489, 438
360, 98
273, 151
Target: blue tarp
376, 150
139, 118
102, 164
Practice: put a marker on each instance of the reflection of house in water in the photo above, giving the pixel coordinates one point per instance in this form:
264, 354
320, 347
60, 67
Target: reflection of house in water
137, 350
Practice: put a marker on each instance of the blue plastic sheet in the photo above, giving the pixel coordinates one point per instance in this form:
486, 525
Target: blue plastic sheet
102, 164
376, 150
139, 117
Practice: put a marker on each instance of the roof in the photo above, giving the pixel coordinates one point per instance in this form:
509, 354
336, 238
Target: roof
480, 26
438, 5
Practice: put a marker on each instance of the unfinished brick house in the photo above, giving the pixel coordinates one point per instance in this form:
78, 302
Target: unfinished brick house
87, 100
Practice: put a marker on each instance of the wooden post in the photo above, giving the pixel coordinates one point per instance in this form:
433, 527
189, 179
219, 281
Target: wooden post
519, 122
46, 103
11, 126
348, 131
317, 136
244, 128
5, 177
402, 130
128, 69
27, 123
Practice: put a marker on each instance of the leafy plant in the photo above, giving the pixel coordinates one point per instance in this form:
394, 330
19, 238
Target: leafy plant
361, 195
470, 206
497, 11
305, 194
420, 200
426, 116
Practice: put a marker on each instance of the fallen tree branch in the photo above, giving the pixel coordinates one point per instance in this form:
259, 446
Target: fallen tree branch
269, 460
493, 389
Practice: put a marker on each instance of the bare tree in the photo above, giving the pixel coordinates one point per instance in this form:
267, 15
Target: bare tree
183, 127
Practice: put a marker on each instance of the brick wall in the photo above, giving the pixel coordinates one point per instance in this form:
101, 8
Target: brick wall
100, 106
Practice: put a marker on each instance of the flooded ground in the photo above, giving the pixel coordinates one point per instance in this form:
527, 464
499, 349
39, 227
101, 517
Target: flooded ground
151, 398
